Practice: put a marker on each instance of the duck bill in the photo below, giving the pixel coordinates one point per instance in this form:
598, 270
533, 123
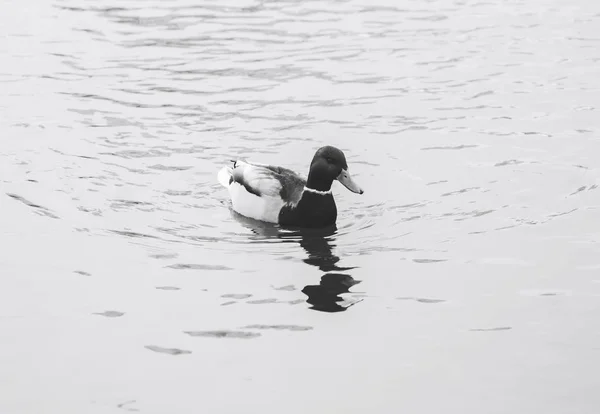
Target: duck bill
346, 179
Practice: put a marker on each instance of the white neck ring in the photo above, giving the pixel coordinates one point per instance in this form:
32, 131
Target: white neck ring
312, 190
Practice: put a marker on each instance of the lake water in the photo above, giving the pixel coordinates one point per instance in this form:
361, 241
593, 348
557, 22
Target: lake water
465, 280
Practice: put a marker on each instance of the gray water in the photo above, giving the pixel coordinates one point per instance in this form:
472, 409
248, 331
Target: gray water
465, 280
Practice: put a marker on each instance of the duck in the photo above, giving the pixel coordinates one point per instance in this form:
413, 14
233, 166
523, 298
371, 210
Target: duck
279, 195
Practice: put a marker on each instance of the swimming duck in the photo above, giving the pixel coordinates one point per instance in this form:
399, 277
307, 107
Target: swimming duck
279, 195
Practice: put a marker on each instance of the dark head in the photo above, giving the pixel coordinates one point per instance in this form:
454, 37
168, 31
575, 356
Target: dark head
328, 164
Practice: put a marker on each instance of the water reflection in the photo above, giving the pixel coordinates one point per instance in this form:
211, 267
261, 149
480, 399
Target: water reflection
320, 250
318, 244
326, 295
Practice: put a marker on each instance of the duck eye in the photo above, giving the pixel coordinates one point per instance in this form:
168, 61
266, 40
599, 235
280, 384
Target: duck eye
329, 160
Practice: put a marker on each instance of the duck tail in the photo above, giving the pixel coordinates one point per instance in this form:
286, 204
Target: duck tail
225, 176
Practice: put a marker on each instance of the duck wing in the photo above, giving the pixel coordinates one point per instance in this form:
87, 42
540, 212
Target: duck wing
268, 180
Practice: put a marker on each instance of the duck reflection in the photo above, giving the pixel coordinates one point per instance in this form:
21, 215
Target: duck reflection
320, 250
318, 245
326, 295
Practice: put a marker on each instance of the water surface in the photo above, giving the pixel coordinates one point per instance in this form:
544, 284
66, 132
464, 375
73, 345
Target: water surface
465, 279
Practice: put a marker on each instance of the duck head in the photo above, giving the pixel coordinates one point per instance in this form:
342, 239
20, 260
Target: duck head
328, 164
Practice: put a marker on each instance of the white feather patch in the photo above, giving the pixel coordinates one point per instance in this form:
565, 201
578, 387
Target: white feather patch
264, 208
258, 178
224, 176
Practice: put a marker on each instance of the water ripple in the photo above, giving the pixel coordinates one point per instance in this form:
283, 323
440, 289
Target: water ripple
472, 128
